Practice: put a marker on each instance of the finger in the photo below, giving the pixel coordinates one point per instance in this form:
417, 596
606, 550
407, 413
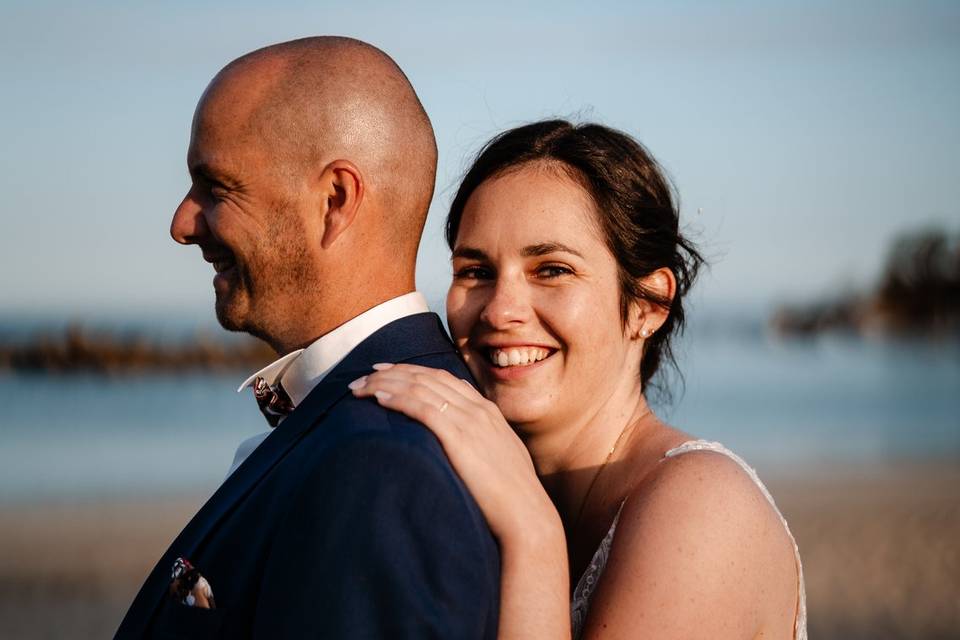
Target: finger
422, 389
423, 376
441, 419
443, 376
453, 390
422, 398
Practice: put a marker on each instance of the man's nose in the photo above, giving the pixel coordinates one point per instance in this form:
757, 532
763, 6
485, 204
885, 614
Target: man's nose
188, 225
508, 305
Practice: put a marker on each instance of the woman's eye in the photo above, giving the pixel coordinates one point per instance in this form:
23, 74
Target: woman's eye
473, 273
553, 271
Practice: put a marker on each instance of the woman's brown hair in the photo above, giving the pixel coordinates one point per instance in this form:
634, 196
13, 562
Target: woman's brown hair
635, 207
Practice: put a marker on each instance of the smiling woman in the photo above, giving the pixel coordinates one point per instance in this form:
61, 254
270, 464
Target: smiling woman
569, 273
631, 205
532, 274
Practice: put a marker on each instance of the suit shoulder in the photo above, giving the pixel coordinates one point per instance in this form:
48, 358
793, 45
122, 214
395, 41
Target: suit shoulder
363, 420
360, 436
393, 460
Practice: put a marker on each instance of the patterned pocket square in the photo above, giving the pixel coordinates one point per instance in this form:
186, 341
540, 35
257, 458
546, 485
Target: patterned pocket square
188, 587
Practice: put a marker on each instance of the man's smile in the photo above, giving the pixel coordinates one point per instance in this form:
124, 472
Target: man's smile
223, 265
222, 261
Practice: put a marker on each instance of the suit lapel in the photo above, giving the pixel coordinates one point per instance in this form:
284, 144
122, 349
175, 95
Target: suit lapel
410, 337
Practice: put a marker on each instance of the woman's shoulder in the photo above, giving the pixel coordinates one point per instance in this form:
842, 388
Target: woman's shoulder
698, 532
697, 473
703, 488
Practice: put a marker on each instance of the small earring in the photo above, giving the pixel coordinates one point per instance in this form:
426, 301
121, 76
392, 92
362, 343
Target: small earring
645, 333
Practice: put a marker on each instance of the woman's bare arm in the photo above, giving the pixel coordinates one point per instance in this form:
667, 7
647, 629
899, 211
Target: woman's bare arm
699, 553
498, 471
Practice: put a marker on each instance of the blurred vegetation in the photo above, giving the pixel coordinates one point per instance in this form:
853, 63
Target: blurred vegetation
77, 349
918, 295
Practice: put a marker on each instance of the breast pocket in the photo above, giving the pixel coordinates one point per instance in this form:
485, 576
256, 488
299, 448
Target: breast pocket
175, 620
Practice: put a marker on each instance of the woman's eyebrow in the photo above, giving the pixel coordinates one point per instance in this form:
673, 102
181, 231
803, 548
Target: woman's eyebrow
547, 247
470, 253
540, 249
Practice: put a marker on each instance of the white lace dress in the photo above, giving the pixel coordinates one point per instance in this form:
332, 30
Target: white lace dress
588, 581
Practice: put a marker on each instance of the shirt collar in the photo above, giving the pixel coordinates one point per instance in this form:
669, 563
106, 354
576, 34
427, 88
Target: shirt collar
301, 370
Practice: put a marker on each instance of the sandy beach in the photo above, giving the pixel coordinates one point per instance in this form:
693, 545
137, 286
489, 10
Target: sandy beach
880, 545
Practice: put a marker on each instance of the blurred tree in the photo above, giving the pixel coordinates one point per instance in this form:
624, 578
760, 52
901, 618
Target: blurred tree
920, 287
918, 294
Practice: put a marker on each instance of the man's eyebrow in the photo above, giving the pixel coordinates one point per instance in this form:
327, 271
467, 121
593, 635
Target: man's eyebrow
200, 170
206, 172
548, 247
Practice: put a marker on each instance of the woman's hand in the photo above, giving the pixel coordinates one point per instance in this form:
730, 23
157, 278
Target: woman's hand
493, 463
486, 453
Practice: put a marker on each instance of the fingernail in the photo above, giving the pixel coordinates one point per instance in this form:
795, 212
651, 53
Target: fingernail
359, 383
383, 395
382, 366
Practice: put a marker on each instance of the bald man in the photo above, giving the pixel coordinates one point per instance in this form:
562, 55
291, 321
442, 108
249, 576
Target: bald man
312, 166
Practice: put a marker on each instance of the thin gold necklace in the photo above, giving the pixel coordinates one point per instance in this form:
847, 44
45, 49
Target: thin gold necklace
596, 476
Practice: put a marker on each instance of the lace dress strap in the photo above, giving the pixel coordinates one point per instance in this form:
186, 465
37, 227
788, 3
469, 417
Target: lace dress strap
800, 624
583, 592
588, 581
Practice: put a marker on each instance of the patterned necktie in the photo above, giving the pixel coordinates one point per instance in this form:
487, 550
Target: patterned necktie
274, 401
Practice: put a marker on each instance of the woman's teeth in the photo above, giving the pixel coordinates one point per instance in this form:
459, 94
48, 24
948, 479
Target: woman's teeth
517, 356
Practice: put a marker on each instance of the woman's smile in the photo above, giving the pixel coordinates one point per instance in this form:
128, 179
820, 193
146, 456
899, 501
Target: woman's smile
535, 304
503, 357
514, 362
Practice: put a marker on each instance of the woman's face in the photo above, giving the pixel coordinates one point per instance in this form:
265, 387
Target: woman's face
534, 306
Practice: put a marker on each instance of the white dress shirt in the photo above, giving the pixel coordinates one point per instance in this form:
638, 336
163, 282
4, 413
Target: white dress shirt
301, 370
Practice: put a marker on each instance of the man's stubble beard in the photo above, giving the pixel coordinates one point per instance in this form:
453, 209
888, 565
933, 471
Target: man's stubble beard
229, 309
269, 293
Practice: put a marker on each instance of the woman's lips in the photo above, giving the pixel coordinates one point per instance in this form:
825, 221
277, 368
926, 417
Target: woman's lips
516, 356
510, 363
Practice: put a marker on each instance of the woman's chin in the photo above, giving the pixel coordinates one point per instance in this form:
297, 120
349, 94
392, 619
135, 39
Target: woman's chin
520, 408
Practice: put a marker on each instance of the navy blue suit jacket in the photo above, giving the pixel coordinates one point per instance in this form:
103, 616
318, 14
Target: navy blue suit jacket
346, 522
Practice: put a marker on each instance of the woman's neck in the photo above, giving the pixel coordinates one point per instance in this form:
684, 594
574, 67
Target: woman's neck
572, 451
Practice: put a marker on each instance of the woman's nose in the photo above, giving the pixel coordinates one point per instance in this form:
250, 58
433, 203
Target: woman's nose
509, 304
188, 225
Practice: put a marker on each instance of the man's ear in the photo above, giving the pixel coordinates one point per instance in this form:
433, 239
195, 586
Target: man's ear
645, 317
343, 187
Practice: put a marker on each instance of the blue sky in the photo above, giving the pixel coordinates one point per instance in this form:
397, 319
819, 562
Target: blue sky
806, 135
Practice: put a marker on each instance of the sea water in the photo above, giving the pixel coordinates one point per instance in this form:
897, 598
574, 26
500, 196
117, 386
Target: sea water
784, 406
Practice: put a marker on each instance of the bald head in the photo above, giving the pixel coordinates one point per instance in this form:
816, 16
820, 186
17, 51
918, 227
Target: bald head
309, 102
312, 167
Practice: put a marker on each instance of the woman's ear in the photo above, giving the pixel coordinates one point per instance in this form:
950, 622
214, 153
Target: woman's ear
645, 317
342, 187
